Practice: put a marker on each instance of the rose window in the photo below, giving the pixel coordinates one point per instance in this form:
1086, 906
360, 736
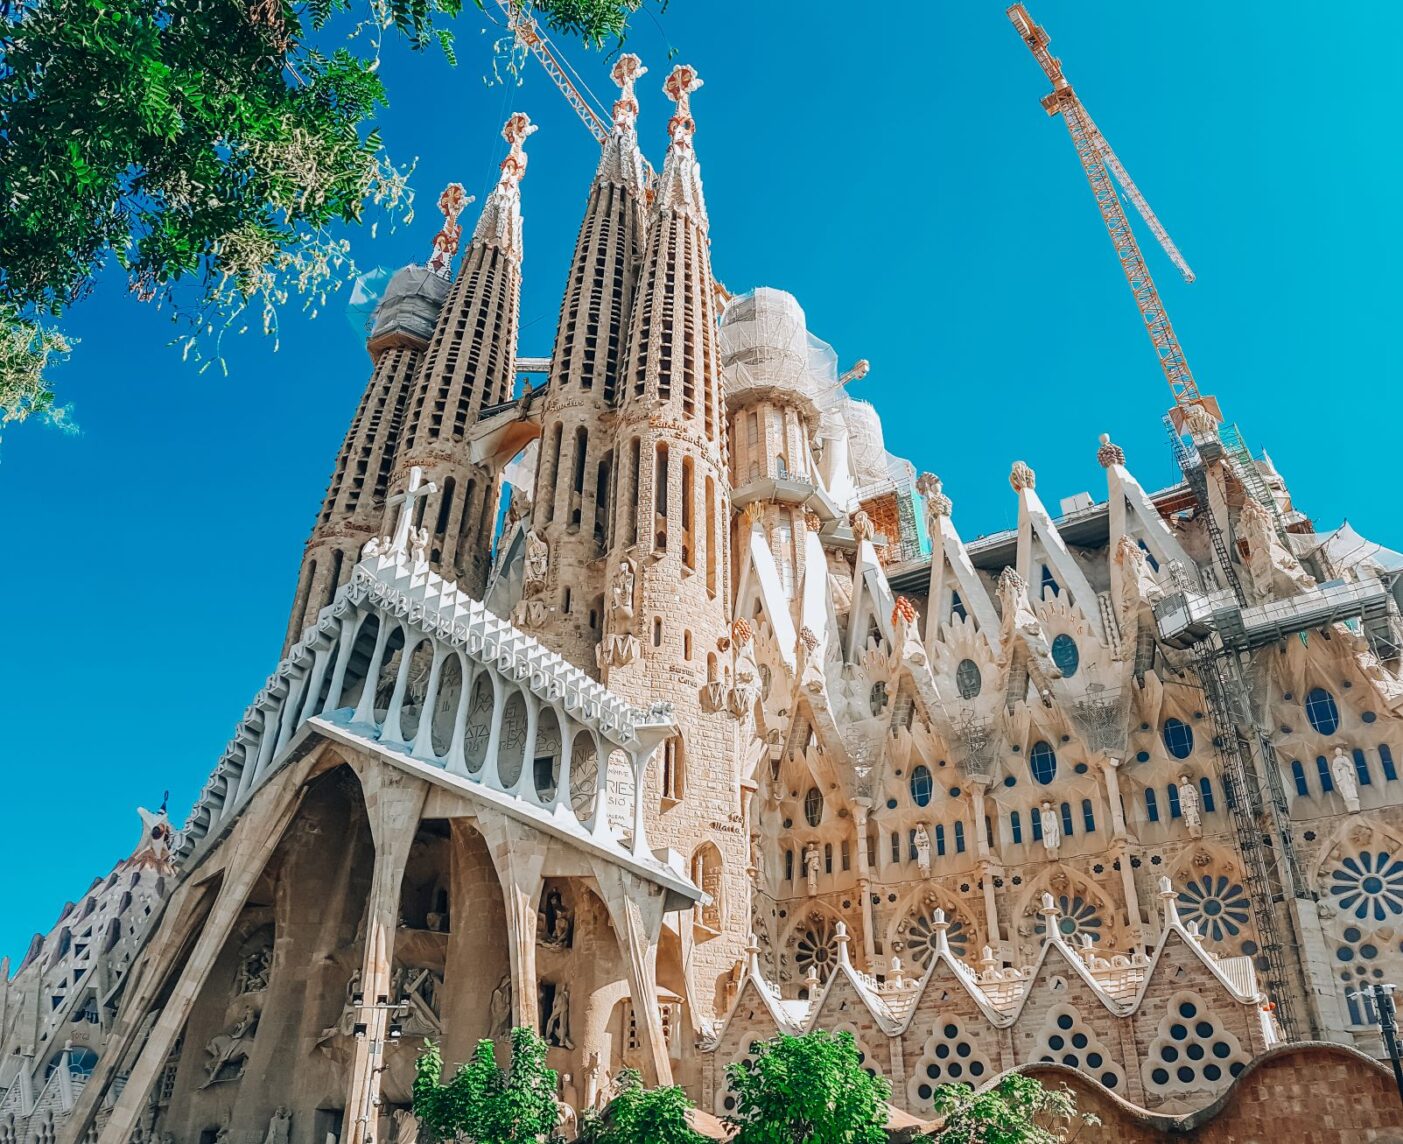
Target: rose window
1079, 916
920, 939
816, 947
1369, 885
1218, 906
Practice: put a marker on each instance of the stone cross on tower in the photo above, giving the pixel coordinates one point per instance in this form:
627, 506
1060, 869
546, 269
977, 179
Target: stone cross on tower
451, 203
679, 87
399, 543
626, 73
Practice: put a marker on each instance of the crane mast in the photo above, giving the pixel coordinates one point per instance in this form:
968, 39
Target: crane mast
1098, 162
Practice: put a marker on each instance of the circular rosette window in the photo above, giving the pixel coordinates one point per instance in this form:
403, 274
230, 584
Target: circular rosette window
1369, 886
1216, 904
1079, 916
920, 938
816, 947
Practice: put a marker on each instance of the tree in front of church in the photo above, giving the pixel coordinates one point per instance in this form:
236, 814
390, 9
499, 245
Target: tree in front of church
811, 1088
484, 1103
638, 1115
1017, 1110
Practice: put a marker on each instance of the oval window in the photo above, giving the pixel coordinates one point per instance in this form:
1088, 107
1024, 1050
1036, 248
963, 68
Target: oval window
921, 785
1178, 738
1322, 712
813, 806
1042, 761
1065, 655
968, 681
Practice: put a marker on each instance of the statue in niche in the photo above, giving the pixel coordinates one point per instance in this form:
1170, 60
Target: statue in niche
811, 867
280, 1127
1346, 781
1052, 829
557, 1030
500, 1012
228, 1051
534, 565
555, 921
1274, 568
625, 578
419, 548
1138, 584
923, 849
253, 970
1189, 806
1018, 614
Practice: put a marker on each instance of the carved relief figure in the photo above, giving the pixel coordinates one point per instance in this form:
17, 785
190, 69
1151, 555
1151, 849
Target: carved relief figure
419, 551
1052, 829
500, 1011
557, 1030
280, 1127
923, 849
1018, 614
228, 1051
555, 921
1189, 806
625, 577
1273, 567
1138, 584
811, 867
1346, 782
253, 970
534, 564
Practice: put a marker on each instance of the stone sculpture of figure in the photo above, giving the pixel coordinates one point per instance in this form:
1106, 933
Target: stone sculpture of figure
553, 922
1018, 614
253, 973
1200, 422
404, 1129
1274, 568
1138, 584
923, 849
534, 568
372, 548
558, 1022
230, 1047
811, 866
280, 1127
500, 1012
419, 550
1189, 806
1346, 782
1052, 829
622, 593
862, 525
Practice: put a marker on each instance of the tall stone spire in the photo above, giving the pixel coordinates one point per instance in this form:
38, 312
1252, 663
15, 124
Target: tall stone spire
668, 609
470, 364
575, 477
355, 498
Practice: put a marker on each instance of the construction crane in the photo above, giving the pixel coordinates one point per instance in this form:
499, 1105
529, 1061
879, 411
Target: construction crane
1096, 157
530, 37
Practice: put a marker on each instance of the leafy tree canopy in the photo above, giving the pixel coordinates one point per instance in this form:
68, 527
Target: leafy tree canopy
639, 1115
485, 1104
811, 1088
1017, 1110
203, 144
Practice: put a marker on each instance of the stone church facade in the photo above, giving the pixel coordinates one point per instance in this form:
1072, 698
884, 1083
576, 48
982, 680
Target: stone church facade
660, 708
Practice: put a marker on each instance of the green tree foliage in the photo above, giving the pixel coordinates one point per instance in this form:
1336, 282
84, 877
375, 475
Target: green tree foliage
811, 1088
205, 144
639, 1115
1017, 1110
485, 1104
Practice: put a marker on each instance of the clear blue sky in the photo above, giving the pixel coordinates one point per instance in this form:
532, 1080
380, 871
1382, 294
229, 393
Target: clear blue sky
893, 169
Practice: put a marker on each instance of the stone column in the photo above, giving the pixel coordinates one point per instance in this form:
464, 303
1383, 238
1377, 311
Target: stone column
393, 804
519, 854
636, 908
864, 886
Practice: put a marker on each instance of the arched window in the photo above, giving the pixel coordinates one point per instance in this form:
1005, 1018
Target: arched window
1178, 738
921, 785
1386, 761
1205, 789
895, 846
828, 857
789, 865
940, 839
1042, 762
1036, 821
1322, 712
1067, 819
674, 777
957, 606
1065, 655
1151, 806
959, 838
1298, 773
1322, 767
1171, 792
1049, 583
1088, 815
968, 680
1361, 768
707, 872
1015, 827
813, 806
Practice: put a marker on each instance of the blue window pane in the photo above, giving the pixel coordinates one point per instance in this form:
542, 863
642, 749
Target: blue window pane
1151, 806
1088, 816
988, 831
1042, 761
1324, 716
1361, 768
911, 845
1065, 655
921, 785
1178, 738
1172, 793
959, 838
957, 607
1205, 788
1386, 759
1049, 583
1327, 783
1067, 819
940, 840
1298, 773
1037, 821
895, 847
1015, 826
968, 680
1149, 556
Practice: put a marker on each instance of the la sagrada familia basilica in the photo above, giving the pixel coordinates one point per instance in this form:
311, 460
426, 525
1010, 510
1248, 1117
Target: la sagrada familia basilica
653, 704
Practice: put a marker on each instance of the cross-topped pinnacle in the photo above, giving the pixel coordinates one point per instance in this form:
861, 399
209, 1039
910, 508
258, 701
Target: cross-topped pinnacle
679, 87
515, 131
626, 73
451, 202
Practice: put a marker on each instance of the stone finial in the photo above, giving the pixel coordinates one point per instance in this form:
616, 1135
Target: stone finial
840, 933
904, 612
451, 203
679, 87
862, 525
987, 961
1109, 453
1011, 581
808, 639
741, 632
937, 503
752, 955
811, 981
628, 69
1167, 897
1022, 477
1050, 914
811, 521
752, 513
515, 132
